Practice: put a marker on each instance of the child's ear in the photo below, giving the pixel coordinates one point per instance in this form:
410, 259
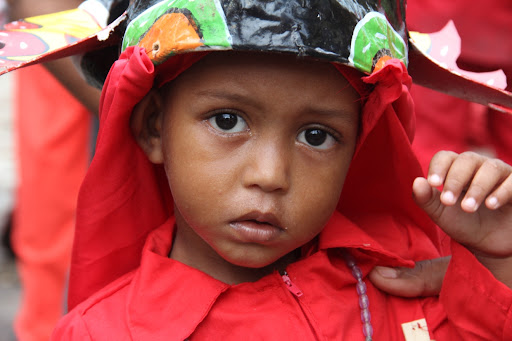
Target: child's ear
146, 124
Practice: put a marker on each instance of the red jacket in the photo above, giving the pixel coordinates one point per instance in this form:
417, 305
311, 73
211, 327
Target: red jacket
166, 300
122, 290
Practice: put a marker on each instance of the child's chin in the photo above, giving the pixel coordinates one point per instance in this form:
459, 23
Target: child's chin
256, 260
250, 263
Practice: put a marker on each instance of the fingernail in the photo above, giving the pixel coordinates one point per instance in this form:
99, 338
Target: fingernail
448, 197
492, 202
470, 204
435, 179
387, 272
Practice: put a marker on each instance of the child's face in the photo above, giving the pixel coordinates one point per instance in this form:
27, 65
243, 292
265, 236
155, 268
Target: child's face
256, 148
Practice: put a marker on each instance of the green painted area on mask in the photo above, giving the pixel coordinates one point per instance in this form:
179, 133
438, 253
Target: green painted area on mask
374, 35
208, 15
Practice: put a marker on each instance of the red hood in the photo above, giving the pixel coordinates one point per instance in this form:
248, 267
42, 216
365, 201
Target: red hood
124, 196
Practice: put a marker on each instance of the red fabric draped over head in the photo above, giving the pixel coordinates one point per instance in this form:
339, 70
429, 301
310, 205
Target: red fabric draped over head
124, 196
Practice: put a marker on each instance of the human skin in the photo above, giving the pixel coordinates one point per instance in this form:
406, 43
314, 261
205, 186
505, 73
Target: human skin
248, 196
425, 279
474, 207
240, 236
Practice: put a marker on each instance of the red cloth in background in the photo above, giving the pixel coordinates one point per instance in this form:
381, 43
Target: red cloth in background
449, 123
53, 131
484, 27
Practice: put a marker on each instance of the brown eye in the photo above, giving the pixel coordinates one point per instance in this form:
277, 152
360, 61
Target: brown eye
229, 123
226, 121
316, 138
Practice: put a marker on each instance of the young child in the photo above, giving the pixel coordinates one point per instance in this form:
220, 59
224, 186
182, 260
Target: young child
245, 187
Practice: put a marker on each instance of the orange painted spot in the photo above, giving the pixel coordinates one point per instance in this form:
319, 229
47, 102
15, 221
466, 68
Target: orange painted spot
381, 62
171, 33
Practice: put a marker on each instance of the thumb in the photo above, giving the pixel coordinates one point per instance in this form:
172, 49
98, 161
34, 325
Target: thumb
425, 279
427, 198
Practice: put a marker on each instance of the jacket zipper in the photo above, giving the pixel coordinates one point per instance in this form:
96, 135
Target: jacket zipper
294, 289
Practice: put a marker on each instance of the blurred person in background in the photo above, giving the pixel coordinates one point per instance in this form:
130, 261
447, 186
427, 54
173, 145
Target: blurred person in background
53, 107
446, 122
6, 164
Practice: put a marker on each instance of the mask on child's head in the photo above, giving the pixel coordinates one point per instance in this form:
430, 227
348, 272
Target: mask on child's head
351, 32
362, 34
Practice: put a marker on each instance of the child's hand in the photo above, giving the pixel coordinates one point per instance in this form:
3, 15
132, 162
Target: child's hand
474, 207
425, 279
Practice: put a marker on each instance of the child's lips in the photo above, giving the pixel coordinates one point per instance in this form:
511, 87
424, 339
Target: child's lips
257, 227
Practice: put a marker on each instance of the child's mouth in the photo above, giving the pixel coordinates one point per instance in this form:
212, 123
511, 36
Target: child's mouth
257, 227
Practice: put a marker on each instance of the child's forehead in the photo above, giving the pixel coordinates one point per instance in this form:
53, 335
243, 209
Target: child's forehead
261, 68
246, 66
260, 78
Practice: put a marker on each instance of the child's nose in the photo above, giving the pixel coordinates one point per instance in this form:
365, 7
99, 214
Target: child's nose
268, 167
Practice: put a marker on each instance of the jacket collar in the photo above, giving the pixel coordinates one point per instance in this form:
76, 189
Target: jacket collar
194, 292
340, 232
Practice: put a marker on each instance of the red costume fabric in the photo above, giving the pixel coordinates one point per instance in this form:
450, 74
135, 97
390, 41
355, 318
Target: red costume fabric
166, 300
449, 123
53, 131
121, 289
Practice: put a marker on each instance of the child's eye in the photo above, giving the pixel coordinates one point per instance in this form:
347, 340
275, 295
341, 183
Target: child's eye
228, 123
317, 138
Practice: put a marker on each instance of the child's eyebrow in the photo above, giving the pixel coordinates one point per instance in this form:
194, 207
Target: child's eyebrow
328, 113
312, 110
230, 96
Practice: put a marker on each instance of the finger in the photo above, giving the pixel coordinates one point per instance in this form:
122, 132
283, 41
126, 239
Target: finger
501, 196
488, 177
459, 176
425, 279
427, 198
422, 191
439, 166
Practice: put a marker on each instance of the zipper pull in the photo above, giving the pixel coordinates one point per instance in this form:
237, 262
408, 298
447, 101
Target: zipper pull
291, 286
